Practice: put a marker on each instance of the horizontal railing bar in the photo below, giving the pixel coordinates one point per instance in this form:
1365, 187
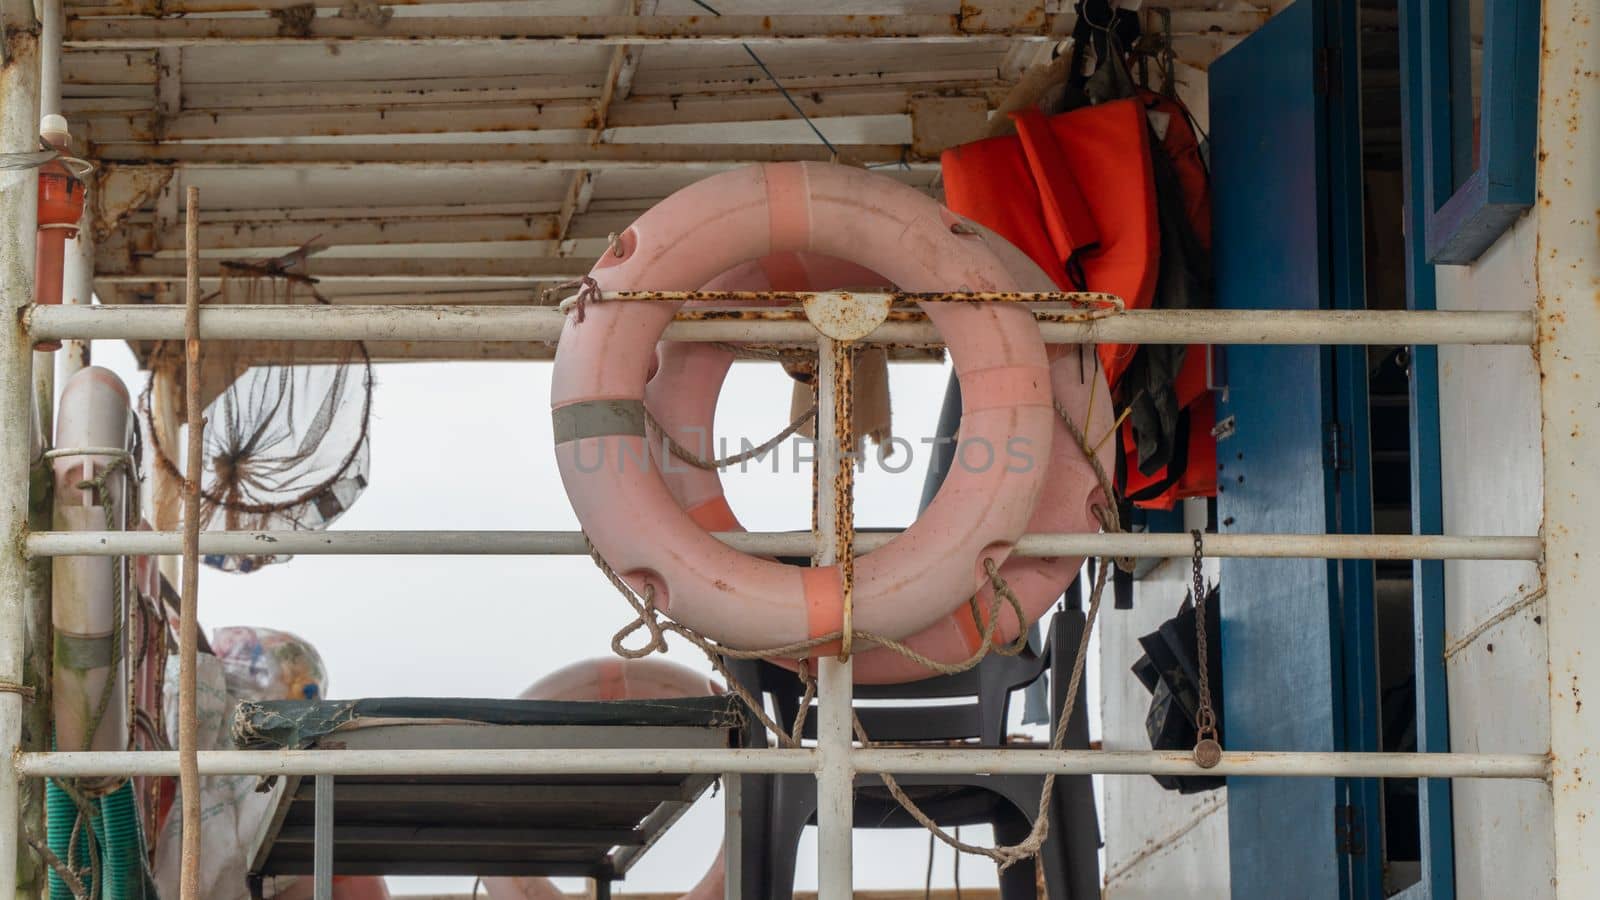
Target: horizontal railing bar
564, 761
1253, 763
1015, 760
571, 543
543, 323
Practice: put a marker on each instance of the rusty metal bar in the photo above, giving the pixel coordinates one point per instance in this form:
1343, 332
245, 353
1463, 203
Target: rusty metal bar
834, 546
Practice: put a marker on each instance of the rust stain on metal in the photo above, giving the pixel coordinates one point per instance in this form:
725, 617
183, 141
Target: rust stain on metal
843, 362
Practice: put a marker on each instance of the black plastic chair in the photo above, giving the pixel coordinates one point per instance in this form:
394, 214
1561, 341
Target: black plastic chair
775, 809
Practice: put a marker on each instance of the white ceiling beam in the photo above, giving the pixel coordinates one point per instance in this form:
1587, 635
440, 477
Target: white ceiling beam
618, 85
97, 33
373, 157
446, 270
89, 32
545, 87
307, 120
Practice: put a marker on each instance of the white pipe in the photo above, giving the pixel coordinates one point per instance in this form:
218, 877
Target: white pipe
1181, 762
420, 762
836, 783
570, 543
538, 323
19, 133
51, 20
77, 289
909, 761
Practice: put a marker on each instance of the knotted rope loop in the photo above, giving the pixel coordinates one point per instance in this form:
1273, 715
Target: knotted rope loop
588, 291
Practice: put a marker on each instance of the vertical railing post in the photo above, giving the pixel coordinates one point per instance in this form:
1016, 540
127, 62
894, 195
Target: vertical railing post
322, 839
1568, 268
835, 535
19, 133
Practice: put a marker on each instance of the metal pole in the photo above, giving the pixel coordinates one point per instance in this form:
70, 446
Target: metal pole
570, 543
188, 624
19, 133
322, 840
910, 761
44, 364
1568, 268
532, 323
50, 33
835, 681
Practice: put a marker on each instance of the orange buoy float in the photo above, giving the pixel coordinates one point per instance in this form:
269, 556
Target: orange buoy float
605, 358
613, 679
679, 399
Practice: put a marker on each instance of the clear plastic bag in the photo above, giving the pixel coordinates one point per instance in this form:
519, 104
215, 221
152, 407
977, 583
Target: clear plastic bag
263, 664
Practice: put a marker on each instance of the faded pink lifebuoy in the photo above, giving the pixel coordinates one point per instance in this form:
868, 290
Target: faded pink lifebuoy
680, 401
604, 360
613, 679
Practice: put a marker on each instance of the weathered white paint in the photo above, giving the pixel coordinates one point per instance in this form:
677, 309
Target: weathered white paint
1489, 418
1568, 273
19, 133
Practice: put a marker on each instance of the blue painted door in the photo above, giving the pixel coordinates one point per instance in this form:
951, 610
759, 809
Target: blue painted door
1297, 634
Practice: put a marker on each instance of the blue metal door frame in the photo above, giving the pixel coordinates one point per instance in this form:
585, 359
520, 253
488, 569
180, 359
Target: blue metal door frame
1298, 636
1427, 496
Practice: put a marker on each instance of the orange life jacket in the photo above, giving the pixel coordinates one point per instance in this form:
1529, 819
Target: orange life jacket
1076, 192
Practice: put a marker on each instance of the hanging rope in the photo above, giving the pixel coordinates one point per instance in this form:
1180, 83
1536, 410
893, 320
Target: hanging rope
658, 625
712, 463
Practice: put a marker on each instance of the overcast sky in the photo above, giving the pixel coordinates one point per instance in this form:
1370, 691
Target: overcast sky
468, 446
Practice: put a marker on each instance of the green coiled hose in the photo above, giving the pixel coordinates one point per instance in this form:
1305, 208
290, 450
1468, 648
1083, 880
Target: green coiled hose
118, 837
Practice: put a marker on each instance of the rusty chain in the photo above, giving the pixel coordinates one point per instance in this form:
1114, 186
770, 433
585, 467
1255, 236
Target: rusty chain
1207, 749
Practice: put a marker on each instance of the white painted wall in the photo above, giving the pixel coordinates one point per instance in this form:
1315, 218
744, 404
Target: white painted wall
1156, 841
1495, 640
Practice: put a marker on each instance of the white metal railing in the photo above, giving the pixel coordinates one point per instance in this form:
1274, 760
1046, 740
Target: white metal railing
835, 760
570, 543
544, 323
938, 761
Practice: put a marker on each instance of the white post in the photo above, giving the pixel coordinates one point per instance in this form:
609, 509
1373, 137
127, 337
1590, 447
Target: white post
50, 29
77, 289
1569, 362
322, 839
19, 133
44, 364
835, 685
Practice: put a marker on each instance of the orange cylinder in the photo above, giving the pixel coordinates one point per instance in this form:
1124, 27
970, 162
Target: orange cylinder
61, 196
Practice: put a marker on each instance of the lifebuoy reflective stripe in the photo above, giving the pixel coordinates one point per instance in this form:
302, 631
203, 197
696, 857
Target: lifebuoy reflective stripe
613, 679
603, 362
677, 397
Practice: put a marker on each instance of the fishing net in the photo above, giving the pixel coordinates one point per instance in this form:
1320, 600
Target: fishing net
286, 443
